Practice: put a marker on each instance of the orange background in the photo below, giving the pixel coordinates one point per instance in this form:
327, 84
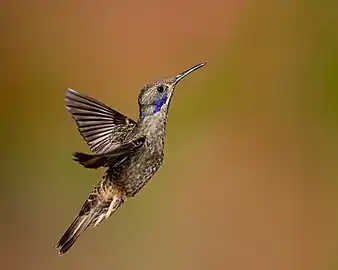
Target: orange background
250, 175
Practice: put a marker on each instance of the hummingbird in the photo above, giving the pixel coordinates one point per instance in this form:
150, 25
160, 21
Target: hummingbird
131, 151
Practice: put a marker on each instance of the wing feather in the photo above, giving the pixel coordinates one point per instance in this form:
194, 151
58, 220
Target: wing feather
100, 126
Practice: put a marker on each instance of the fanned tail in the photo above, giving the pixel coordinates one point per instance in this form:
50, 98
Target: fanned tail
79, 225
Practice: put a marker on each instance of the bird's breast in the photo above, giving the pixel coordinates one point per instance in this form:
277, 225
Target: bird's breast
143, 165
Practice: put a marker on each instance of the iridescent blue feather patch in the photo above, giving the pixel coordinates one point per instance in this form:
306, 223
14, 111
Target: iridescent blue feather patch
159, 103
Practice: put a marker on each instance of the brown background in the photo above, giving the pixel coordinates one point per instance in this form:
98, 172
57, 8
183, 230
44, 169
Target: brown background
250, 175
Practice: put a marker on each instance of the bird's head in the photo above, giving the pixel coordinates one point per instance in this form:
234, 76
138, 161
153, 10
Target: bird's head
155, 97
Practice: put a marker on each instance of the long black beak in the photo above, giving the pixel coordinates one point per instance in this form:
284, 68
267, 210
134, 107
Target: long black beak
188, 71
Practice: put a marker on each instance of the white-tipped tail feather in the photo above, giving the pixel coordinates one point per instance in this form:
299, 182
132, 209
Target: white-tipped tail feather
79, 225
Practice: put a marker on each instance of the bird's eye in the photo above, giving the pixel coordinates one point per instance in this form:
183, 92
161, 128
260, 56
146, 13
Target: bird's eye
160, 89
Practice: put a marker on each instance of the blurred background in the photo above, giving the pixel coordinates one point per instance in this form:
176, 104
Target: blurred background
250, 175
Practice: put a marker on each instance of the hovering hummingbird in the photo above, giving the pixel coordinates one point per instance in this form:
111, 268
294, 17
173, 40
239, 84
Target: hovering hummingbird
132, 151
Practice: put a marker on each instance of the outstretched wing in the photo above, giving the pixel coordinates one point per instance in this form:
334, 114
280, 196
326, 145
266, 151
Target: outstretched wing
101, 127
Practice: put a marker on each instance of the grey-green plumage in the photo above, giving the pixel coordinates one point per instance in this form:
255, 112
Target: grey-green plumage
132, 151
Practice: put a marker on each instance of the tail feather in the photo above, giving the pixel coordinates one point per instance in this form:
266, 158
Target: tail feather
79, 225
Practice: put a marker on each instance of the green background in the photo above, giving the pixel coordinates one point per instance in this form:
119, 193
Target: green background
250, 174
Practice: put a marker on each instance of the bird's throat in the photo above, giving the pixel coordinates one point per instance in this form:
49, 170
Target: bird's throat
159, 103
153, 124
